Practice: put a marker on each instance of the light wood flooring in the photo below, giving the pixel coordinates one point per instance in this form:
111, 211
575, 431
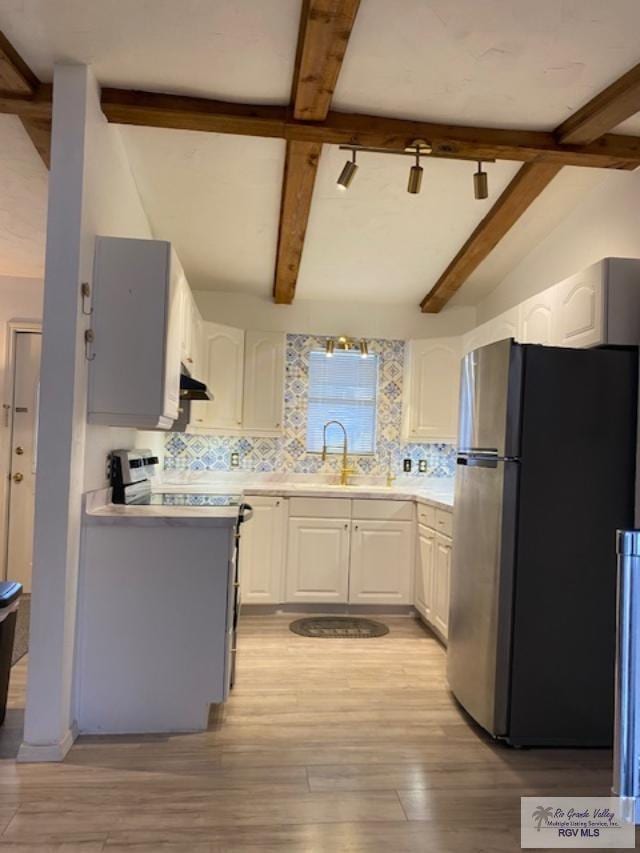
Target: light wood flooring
329, 746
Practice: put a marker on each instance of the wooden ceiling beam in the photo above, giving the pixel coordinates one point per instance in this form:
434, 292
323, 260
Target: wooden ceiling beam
325, 27
22, 94
601, 114
179, 112
589, 126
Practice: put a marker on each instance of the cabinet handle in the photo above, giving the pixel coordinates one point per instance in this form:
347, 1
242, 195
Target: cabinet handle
190, 360
277, 503
346, 527
356, 526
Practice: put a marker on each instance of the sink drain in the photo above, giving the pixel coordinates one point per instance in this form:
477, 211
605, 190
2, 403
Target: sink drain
338, 626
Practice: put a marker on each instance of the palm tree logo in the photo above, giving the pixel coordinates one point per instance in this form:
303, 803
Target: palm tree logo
542, 813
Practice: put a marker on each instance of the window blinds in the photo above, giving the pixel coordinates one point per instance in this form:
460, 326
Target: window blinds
343, 388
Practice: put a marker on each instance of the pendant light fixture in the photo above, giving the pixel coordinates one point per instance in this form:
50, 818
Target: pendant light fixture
330, 346
364, 348
480, 183
415, 175
348, 171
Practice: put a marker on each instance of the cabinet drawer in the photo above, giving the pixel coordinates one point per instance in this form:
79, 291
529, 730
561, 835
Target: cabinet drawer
385, 510
427, 515
444, 522
320, 507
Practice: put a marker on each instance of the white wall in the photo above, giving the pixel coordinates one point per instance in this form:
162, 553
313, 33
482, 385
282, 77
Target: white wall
91, 191
606, 224
312, 317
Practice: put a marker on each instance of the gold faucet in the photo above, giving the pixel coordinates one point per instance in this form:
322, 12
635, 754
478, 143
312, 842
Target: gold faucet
345, 470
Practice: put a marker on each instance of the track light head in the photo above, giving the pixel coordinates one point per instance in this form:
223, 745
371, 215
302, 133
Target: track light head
348, 171
480, 183
415, 175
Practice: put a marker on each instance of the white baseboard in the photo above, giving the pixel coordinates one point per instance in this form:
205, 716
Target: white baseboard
37, 753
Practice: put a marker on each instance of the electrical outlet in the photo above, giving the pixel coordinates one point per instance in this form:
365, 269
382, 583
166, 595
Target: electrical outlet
406, 465
235, 460
422, 466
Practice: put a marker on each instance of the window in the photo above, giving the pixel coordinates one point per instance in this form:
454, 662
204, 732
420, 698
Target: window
342, 388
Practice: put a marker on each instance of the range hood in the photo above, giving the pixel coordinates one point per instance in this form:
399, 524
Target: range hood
191, 389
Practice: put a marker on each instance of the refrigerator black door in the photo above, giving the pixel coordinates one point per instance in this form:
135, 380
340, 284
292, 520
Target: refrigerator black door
481, 589
490, 392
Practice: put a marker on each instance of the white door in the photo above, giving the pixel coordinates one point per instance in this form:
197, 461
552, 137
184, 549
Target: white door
581, 312
223, 361
433, 379
441, 576
381, 562
318, 560
425, 558
22, 471
263, 381
262, 552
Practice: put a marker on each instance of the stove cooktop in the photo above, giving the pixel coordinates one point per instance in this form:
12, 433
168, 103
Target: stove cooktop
187, 499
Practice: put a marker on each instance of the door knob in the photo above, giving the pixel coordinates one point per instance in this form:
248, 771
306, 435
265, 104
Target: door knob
18, 478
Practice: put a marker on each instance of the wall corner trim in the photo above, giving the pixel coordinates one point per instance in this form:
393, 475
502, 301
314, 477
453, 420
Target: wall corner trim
30, 753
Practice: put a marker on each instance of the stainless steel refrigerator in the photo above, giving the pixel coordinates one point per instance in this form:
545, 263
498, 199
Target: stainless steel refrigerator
545, 476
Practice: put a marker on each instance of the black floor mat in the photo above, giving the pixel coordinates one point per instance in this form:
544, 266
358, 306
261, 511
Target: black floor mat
349, 627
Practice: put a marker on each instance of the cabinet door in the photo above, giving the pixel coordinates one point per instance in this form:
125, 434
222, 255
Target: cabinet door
186, 331
580, 311
173, 339
536, 318
432, 378
224, 358
381, 562
263, 381
501, 327
318, 560
441, 576
425, 558
262, 552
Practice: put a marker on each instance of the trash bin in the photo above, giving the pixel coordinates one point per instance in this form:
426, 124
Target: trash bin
10, 592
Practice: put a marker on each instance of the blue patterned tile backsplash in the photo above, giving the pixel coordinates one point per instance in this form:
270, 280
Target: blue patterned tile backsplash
287, 453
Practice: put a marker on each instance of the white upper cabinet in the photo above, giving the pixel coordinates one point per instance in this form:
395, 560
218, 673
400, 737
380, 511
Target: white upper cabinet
190, 333
580, 309
502, 327
223, 362
536, 320
264, 360
245, 373
432, 381
134, 377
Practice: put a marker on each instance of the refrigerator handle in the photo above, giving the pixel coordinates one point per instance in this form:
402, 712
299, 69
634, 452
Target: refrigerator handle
626, 750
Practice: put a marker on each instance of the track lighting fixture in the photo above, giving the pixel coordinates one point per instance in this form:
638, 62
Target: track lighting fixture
348, 171
330, 347
415, 175
416, 148
364, 348
480, 183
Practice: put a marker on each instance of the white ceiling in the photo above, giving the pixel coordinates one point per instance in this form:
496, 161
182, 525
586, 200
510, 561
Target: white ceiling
496, 62
217, 198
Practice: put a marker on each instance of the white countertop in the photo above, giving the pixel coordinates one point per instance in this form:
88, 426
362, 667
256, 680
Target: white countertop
433, 491
437, 491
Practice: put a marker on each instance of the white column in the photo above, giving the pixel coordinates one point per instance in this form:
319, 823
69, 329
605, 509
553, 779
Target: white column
61, 434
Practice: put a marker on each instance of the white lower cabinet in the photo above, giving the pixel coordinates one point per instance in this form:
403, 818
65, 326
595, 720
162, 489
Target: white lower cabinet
262, 552
381, 561
441, 581
318, 560
425, 561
